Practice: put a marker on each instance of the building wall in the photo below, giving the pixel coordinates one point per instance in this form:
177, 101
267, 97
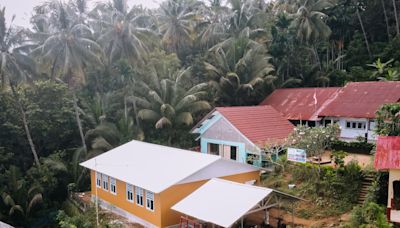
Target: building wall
163, 215
170, 197
349, 134
120, 200
394, 174
223, 133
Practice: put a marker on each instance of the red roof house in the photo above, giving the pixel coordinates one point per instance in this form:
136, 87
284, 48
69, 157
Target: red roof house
362, 99
237, 132
387, 157
387, 154
258, 123
301, 103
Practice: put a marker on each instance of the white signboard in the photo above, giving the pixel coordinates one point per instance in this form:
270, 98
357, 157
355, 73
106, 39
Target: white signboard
296, 155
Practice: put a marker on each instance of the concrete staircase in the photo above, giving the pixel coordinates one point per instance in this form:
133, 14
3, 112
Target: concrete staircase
365, 185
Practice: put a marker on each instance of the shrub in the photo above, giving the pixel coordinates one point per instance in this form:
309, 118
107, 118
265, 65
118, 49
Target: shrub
369, 215
353, 147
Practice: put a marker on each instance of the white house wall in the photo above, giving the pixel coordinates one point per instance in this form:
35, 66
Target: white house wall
352, 134
223, 130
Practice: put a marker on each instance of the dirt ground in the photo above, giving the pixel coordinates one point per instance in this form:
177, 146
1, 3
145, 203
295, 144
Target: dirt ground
363, 160
287, 218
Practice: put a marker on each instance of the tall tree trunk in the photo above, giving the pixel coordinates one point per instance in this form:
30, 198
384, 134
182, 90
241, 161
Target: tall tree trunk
386, 19
364, 33
317, 57
396, 17
26, 126
78, 119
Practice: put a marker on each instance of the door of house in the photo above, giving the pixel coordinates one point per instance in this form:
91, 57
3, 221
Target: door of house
229, 152
396, 195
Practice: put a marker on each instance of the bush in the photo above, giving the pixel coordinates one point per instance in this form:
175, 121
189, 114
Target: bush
369, 215
353, 147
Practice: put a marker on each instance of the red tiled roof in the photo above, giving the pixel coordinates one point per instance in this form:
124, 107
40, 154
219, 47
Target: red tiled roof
258, 123
387, 154
362, 99
299, 103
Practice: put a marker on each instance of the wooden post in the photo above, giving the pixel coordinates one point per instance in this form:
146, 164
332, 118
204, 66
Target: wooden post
292, 215
241, 223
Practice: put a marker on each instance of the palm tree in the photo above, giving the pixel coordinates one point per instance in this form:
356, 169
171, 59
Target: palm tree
176, 19
386, 19
239, 72
70, 48
169, 101
358, 6
213, 26
123, 33
14, 66
17, 197
396, 17
310, 23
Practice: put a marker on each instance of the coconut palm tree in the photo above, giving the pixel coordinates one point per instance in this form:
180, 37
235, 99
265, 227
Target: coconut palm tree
123, 33
17, 197
177, 20
14, 68
212, 29
239, 72
309, 21
71, 49
167, 101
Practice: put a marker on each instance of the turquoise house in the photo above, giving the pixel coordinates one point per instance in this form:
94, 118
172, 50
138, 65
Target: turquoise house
240, 133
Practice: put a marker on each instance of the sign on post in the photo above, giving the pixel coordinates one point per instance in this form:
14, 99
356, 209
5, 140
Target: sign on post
296, 155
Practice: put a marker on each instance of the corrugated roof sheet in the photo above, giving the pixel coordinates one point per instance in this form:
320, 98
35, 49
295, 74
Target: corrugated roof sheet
221, 202
301, 103
362, 99
387, 154
258, 123
156, 167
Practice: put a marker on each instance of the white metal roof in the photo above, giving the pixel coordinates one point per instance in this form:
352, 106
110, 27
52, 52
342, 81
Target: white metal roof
220, 168
4, 225
149, 166
221, 202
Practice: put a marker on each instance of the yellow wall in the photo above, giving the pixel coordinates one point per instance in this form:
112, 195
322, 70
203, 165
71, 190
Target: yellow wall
170, 197
163, 215
121, 201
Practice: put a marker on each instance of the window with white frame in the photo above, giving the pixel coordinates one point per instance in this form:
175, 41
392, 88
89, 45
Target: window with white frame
355, 124
98, 180
113, 185
139, 196
105, 181
150, 200
129, 192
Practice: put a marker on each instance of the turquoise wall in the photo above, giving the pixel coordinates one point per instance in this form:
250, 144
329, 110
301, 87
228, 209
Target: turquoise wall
241, 148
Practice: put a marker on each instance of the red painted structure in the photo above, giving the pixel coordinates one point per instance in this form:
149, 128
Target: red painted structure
387, 154
387, 157
362, 99
301, 103
258, 123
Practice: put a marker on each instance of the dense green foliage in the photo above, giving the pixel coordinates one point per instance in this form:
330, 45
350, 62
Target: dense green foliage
388, 120
80, 81
369, 215
328, 190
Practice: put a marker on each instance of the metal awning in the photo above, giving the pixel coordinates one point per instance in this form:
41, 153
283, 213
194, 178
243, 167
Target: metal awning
222, 202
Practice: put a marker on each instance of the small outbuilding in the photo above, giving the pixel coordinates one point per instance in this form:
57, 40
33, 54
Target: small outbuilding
231, 203
387, 158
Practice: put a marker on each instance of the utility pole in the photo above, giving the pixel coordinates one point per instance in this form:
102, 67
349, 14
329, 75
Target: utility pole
97, 199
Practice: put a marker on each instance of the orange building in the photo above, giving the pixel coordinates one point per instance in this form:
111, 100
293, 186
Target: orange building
142, 181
